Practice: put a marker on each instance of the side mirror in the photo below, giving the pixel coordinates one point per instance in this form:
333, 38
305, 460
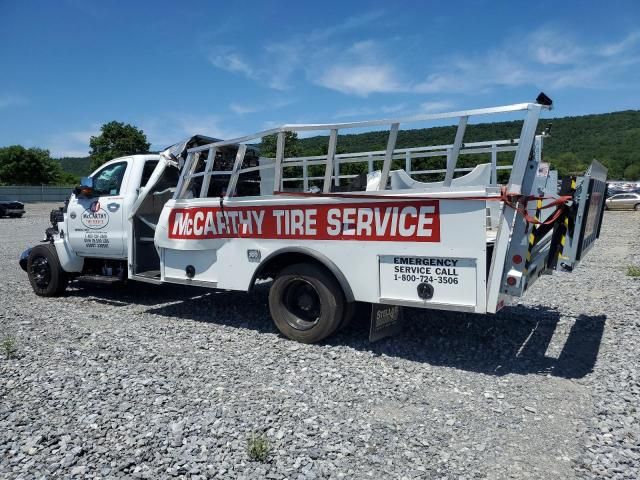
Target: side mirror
86, 182
85, 189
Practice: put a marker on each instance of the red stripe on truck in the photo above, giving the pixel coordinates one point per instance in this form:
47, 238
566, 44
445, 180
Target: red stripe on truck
403, 221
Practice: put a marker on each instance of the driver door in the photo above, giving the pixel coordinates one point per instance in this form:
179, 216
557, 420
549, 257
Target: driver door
96, 224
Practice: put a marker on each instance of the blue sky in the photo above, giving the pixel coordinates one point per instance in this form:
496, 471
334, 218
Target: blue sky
231, 68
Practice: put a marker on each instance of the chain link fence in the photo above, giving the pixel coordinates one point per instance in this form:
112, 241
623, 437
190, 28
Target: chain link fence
35, 193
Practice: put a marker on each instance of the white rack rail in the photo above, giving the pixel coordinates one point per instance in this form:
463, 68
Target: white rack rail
332, 161
408, 154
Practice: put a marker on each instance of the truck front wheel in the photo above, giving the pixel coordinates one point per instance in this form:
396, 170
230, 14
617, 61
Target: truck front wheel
306, 303
45, 272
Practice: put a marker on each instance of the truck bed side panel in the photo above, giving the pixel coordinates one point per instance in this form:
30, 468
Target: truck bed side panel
368, 243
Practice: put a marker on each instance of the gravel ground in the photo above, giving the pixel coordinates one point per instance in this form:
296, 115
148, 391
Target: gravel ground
157, 382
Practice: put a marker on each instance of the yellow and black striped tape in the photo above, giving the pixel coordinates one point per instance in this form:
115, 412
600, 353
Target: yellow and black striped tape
532, 235
565, 224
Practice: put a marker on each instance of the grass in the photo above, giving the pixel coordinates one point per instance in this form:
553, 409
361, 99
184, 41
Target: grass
633, 271
258, 447
9, 347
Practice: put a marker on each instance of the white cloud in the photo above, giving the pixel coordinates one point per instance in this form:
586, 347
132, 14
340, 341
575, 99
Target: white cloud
74, 143
550, 46
350, 23
281, 62
225, 58
398, 107
396, 110
243, 109
356, 70
435, 107
360, 79
281, 103
474, 74
204, 125
11, 100
547, 54
546, 58
355, 112
613, 49
550, 57
309, 54
163, 131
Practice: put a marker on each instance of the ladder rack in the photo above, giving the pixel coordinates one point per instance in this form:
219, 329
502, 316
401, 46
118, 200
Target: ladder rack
332, 161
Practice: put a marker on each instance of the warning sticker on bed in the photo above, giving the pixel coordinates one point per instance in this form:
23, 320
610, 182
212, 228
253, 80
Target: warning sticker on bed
450, 280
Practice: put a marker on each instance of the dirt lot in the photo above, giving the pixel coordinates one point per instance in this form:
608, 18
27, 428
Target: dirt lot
148, 382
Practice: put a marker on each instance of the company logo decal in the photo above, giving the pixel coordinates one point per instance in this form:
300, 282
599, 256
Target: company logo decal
409, 221
95, 217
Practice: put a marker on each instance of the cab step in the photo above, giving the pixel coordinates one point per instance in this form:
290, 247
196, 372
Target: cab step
100, 279
149, 276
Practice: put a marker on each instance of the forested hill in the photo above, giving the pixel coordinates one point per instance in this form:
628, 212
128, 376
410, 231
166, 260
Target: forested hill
78, 166
611, 138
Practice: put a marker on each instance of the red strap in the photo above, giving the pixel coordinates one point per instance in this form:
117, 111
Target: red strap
513, 200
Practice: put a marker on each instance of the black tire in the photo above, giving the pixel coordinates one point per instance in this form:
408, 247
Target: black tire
16, 215
348, 314
637, 207
2, 212
46, 275
306, 303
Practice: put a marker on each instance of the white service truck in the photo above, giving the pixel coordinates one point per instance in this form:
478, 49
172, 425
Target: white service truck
217, 214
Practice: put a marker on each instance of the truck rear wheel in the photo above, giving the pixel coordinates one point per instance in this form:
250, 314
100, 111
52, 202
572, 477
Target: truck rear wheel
306, 303
45, 272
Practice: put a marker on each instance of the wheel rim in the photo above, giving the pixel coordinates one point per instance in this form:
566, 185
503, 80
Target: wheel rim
41, 271
302, 300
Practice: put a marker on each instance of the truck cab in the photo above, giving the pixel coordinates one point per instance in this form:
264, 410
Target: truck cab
96, 219
88, 238
95, 236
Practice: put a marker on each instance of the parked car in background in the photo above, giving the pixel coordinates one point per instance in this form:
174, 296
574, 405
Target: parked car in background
11, 208
623, 201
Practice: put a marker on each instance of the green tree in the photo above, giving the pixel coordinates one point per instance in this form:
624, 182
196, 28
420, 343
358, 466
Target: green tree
116, 139
78, 166
269, 144
28, 166
632, 172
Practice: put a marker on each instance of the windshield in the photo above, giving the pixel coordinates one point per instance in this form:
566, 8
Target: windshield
108, 180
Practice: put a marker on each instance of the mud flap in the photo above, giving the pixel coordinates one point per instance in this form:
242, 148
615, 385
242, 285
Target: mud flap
386, 321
